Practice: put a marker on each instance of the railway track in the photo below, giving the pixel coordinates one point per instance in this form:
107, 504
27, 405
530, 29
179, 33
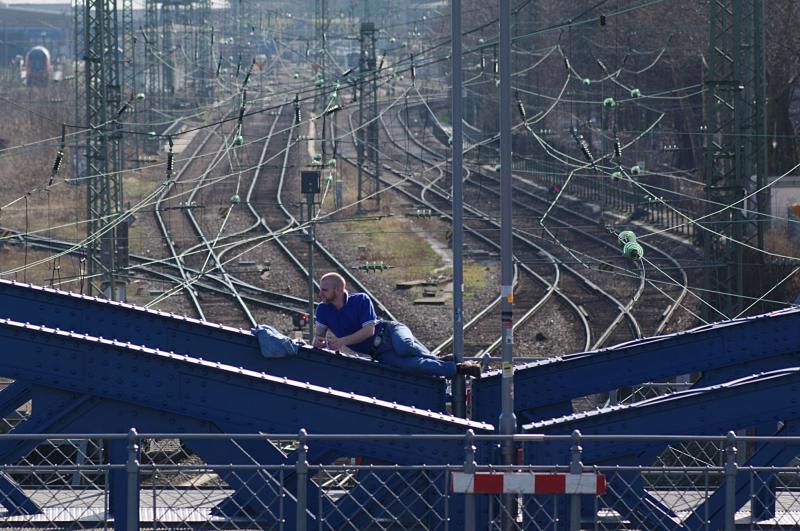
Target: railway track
578, 230
587, 294
263, 224
534, 285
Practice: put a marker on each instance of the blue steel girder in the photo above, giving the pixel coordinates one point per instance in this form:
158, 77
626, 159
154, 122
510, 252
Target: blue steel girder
735, 348
757, 399
110, 386
239, 348
225, 395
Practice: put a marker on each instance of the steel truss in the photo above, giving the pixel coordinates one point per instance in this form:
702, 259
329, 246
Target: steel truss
103, 102
735, 150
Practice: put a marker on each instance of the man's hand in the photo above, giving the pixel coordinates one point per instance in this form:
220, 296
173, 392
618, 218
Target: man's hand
335, 343
319, 342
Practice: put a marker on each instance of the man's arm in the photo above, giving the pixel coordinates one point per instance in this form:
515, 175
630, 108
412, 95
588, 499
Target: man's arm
365, 332
320, 330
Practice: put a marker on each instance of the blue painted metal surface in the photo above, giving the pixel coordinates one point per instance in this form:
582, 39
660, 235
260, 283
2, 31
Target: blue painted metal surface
97, 385
759, 399
182, 335
725, 351
768, 397
215, 380
150, 378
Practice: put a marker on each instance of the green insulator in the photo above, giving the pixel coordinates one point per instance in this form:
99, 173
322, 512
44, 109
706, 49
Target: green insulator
152, 134
235, 199
393, 40
317, 158
635, 93
481, 40
626, 236
586, 81
633, 250
329, 177
449, 140
404, 44
609, 102
617, 175
332, 163
296, 75
238, 141
636, 170
496, 167
401, 77
140, 96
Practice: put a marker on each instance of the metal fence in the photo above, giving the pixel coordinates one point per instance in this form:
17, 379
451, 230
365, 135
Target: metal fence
661, 208
157, 481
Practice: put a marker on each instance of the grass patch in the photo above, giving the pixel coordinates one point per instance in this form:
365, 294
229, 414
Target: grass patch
392, 241
475, 279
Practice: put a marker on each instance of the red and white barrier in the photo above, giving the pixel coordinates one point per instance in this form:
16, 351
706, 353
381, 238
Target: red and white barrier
527, 483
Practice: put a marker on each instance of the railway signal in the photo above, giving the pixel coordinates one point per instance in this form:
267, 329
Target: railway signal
300, 321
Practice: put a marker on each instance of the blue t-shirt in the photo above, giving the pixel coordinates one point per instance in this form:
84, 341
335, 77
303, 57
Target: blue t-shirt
356, 313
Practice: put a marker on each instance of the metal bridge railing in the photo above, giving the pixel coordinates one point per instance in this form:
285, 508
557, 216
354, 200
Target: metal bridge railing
160, 481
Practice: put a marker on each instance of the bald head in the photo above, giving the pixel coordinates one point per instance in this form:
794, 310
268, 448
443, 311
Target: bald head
331, 289
334, 280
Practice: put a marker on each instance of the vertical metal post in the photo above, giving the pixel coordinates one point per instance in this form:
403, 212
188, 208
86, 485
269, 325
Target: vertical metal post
731, 468
129, 71
373, 130
132, 472
311, 237
459, 383
103, 156
301, 472
323, 151
735, 149
360, 136
469, 468
575, 467
508, 421
760, 118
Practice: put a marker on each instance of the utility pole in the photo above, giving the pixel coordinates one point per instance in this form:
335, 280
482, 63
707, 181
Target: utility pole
167, 62
321, 14
203, 86
152, 67
459, 383
129, 79
508, 420
735, 151
367, 135
103, 154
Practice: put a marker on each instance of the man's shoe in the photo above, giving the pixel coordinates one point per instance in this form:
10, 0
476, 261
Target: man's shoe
469, 368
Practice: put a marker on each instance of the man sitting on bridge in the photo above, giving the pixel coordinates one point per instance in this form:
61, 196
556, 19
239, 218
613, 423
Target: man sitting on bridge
352, 319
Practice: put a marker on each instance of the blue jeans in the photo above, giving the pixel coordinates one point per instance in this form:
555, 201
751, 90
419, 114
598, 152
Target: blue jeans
401, 349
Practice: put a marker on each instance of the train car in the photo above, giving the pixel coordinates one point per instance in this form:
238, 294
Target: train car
37, 66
